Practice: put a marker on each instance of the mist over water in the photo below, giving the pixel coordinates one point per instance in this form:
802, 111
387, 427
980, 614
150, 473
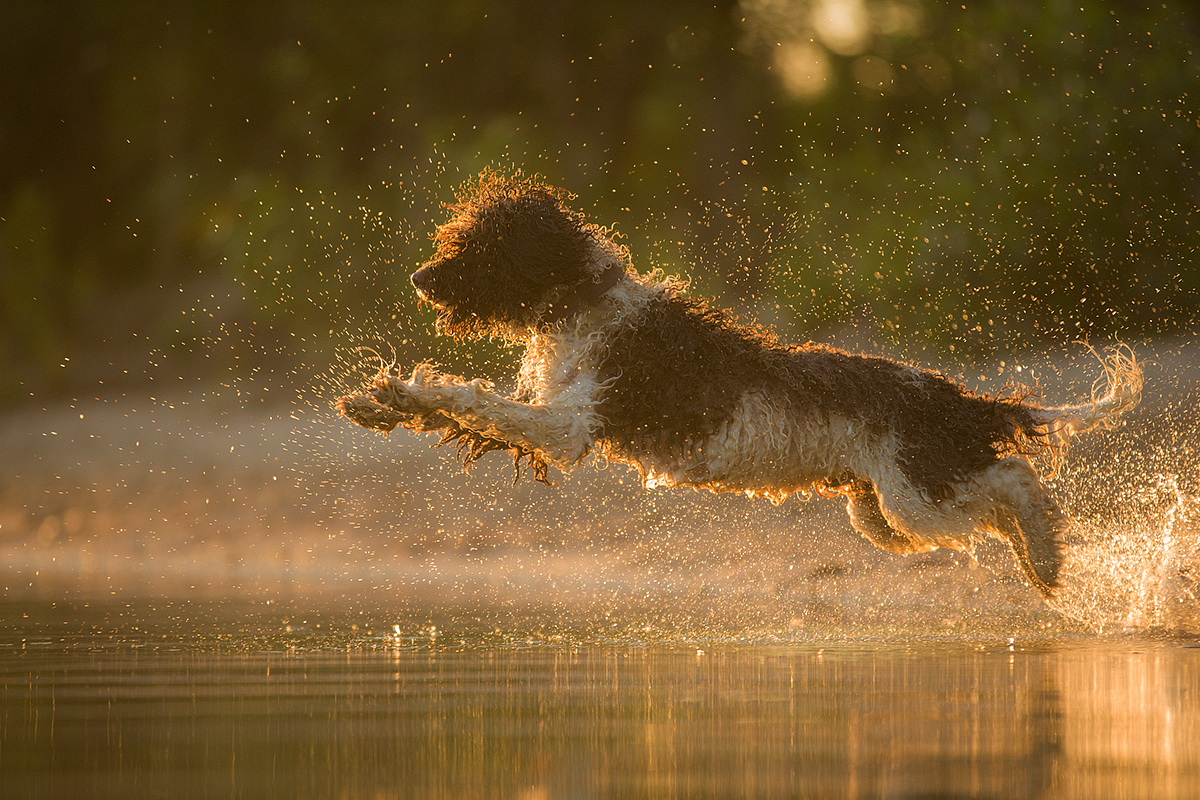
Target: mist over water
598, 546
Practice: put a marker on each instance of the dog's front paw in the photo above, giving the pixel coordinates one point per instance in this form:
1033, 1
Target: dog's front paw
364, 410
398, 395
424, 374
388, 403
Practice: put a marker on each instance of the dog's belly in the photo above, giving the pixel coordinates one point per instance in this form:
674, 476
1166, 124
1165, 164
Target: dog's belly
787, 455
770, 450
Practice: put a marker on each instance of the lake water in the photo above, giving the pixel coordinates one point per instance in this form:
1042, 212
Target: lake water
254, 699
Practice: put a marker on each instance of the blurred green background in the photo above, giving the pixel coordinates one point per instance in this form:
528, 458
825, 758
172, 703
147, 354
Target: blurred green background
221, 183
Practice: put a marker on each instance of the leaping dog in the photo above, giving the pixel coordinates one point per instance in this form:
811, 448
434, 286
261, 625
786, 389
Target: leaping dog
627, 366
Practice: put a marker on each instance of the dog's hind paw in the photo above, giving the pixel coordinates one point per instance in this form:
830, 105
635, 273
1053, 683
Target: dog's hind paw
1046, 558
1038, 547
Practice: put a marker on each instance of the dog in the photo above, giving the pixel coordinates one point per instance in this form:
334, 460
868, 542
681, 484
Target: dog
628, 367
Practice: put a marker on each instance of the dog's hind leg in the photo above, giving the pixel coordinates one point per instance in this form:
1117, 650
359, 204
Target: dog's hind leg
866, 516
1024, 514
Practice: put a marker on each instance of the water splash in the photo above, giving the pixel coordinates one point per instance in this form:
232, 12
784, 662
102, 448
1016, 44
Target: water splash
1138, 569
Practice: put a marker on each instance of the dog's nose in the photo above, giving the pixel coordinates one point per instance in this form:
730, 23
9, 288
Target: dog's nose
421, 279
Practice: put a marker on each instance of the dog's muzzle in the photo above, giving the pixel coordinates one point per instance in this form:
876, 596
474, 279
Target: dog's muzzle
422, 281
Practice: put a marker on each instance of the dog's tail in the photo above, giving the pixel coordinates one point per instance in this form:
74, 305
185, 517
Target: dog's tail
1122, 388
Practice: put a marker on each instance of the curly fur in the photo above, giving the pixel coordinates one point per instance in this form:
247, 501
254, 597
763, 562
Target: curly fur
647, 376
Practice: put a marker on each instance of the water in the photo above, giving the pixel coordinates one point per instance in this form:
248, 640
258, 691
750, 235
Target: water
1137, 567
251, 699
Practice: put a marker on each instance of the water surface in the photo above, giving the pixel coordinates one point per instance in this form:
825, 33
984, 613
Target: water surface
244, 699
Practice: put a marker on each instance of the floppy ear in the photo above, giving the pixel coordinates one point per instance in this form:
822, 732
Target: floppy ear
536, 240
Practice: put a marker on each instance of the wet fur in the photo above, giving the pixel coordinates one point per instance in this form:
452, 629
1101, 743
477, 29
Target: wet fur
652, 378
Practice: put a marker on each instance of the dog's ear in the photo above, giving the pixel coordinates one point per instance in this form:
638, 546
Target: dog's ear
541, 241
526, 229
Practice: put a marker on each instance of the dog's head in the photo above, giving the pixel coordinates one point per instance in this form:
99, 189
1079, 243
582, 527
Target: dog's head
508, 251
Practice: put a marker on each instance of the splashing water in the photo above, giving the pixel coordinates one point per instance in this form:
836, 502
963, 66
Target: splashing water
1139, 569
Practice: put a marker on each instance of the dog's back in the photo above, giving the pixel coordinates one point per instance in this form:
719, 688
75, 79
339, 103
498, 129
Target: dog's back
678, 372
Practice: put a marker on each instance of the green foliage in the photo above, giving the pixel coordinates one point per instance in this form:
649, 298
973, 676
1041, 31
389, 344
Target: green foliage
33, 298
977, 177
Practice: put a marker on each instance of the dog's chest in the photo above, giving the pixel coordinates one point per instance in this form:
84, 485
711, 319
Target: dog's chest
558, 370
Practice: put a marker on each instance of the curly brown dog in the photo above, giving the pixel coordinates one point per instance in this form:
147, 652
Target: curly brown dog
626, 365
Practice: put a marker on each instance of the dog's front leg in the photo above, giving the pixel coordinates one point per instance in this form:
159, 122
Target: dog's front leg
560, 434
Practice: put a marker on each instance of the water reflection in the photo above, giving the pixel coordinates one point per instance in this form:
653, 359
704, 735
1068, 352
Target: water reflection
333, 709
